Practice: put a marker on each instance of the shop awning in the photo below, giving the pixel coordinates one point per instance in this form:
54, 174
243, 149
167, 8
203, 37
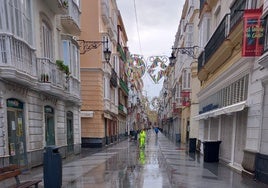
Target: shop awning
225, 110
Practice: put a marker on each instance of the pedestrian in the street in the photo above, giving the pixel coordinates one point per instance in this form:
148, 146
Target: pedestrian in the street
142, 138
156, 130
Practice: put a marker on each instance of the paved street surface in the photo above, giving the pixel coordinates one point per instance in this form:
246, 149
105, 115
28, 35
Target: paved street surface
162, 164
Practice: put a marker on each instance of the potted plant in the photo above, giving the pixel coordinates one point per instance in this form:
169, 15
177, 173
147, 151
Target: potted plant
63, 68
65, 3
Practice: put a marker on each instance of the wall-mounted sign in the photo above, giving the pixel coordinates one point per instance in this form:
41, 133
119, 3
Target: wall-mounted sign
87, 114
14, 103
185, 97
253, 37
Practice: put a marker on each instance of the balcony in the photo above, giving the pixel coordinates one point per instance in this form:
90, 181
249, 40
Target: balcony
17, 60
222, 44
121, 52
217, 50
73, 89
122, 109
51, 79
123, 86
105, 11
113, 79
71, 20
58, 6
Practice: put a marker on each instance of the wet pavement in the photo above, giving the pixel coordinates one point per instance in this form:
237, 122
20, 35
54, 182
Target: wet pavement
161, 164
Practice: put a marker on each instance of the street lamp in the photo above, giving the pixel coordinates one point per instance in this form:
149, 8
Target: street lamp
107, 55
86, 46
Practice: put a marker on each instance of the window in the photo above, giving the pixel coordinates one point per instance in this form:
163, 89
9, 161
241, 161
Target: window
106, 88
77, 2
178, 90
186, 79
70, 54
217, 16
266, 34
15, 17
47, 45
189, 36
3, 15
66, 52
251, 4
204, 30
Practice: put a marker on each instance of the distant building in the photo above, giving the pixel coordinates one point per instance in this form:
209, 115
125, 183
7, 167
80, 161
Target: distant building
103, 83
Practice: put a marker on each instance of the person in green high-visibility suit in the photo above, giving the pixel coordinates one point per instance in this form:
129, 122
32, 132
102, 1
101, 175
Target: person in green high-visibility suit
142, 138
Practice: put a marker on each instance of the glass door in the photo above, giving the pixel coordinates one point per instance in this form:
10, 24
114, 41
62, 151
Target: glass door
16, 133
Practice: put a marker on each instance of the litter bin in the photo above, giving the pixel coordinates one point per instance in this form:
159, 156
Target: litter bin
52, 167
192, 145
211, 151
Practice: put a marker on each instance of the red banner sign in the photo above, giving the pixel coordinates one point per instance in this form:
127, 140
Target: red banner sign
185, 96
253, 37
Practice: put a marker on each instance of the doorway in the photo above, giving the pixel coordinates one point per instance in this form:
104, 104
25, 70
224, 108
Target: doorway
49, 125
70, 133
16, 133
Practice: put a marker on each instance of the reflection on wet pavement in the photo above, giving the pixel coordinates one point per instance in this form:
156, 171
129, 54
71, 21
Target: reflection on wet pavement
161, 164
127, 165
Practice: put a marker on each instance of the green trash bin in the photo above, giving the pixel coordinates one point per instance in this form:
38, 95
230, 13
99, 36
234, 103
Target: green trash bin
211, 151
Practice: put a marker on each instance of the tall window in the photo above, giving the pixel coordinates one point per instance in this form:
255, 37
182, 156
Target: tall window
189, 36
15, 17
47, 41
251, 4
204, 30
70, 54
266, 34
107, 91
186, 79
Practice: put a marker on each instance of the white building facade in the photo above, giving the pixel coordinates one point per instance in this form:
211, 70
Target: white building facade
39, 80
232, 99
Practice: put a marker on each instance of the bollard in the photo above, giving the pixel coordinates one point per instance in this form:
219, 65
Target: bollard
52, 167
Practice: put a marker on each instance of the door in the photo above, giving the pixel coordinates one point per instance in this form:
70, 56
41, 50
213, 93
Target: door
49, 126
70, 134
16, 133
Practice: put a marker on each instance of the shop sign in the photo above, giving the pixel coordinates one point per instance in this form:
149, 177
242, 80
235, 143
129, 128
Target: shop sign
253, 37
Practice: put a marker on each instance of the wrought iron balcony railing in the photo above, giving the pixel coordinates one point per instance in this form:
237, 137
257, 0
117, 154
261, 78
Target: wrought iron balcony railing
215, 41
123, 86
226, 26
121, 52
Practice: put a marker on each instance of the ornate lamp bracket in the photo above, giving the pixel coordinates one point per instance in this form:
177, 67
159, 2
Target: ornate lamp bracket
86, 46
190, 51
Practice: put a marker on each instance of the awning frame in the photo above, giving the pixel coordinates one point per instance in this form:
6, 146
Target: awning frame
225, 110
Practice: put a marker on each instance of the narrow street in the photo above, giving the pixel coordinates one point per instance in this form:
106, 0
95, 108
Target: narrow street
162, 164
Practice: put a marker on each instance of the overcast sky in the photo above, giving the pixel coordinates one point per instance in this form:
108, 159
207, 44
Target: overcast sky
158, 22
